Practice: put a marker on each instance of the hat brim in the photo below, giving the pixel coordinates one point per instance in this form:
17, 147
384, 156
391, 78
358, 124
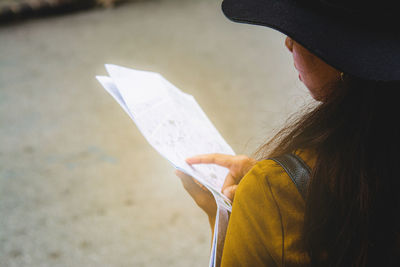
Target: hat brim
360, 51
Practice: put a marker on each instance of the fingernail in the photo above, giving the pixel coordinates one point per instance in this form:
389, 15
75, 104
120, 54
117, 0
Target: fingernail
227, 192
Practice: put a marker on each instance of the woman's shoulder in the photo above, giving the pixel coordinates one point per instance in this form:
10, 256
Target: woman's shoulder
270, 211
269, 165
268, 177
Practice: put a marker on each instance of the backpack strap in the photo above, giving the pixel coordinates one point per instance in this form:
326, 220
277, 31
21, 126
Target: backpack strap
297, 170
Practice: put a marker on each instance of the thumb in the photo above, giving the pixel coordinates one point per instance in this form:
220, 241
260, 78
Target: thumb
230, 191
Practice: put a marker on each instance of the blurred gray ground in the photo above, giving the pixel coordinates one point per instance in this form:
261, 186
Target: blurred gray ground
79, 185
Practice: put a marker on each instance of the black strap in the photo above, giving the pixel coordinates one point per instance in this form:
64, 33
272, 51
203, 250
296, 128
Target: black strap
297, 170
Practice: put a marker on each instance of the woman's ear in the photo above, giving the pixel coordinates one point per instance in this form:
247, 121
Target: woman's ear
289, 43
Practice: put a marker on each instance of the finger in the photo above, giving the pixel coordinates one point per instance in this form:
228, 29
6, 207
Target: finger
181, 174
203, 198
216, 158
230, 191
229, 181
191, 185
200, 184
184, 176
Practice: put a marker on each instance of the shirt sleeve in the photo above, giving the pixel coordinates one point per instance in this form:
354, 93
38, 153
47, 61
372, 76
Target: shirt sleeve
266, 221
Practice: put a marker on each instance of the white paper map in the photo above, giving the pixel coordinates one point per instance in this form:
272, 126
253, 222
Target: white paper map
175, 125
171, 121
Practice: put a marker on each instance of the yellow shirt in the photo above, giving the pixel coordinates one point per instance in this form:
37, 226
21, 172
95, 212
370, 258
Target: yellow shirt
267, 219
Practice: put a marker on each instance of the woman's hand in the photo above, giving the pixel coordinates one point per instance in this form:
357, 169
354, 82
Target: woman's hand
238, 166
201, 195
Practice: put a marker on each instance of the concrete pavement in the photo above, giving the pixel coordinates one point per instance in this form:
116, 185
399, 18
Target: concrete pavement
79, 185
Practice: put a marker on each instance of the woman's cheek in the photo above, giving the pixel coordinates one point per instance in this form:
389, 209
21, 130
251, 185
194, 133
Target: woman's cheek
303, 60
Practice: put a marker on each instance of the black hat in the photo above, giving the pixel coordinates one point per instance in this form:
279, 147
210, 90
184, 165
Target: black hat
360, 38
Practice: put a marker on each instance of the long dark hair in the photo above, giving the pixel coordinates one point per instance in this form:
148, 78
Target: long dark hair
353, 200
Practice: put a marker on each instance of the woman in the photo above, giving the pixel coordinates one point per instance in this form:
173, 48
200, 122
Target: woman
350, 62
